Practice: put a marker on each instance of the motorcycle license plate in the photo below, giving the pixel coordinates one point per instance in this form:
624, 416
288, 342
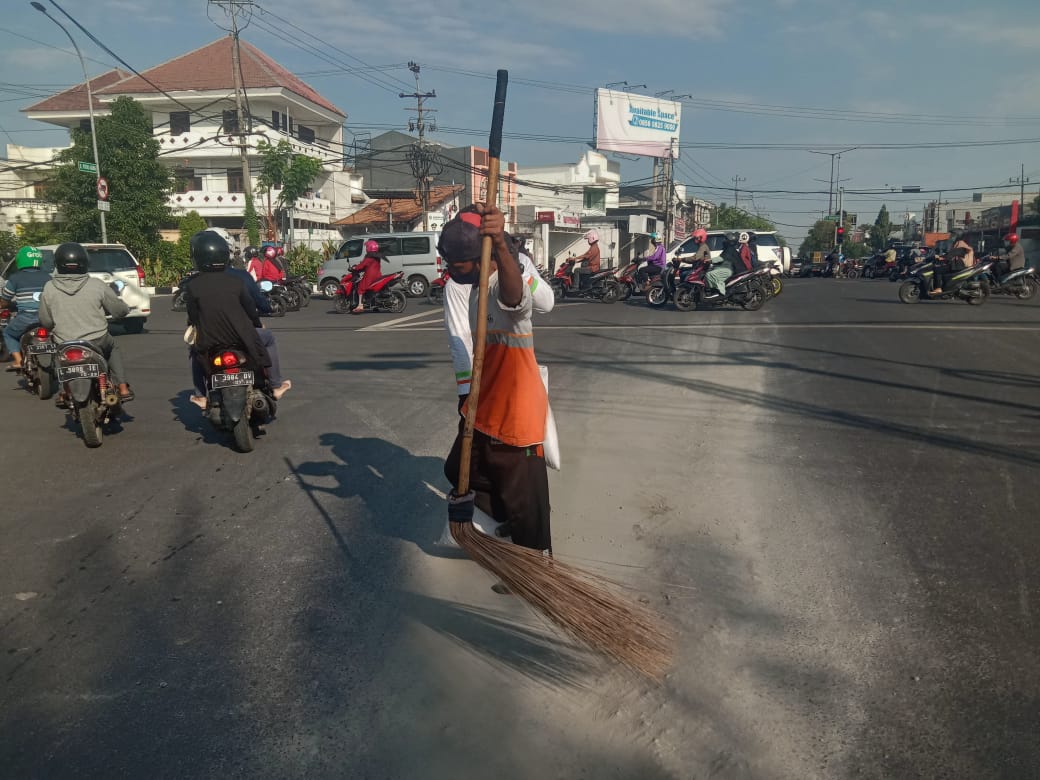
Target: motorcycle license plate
44, 348
218, 381
80, 371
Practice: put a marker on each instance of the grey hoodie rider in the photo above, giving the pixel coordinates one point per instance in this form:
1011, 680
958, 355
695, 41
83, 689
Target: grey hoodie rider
73, 306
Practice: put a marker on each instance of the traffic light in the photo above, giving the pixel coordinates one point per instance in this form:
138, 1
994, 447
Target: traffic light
841, 234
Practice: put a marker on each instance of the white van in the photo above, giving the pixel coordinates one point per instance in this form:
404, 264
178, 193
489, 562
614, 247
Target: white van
414, 253
769, 248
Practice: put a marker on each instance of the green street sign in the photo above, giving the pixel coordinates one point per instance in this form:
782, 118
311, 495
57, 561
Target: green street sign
831, 218
88, 167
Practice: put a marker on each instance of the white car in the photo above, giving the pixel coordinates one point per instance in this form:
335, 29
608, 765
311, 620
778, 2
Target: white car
769, 248
109, 262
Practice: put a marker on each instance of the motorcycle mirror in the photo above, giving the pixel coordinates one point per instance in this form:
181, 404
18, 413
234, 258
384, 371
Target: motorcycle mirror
266, 286
118, 285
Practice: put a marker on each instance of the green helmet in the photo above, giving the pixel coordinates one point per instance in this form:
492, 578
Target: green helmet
28, 257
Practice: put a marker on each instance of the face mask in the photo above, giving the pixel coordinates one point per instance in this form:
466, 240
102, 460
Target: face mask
459, 278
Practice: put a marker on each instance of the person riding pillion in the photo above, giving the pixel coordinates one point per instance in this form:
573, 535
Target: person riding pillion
724, 266
73, 306
22, 293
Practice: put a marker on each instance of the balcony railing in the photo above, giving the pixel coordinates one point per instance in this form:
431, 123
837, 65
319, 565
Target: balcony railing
203, 142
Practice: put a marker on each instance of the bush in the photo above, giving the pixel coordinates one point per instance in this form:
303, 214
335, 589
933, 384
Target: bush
303, 262
168, 266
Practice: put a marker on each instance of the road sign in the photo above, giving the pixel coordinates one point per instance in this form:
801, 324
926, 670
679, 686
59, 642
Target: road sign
831, 218
102, 188
104, 205
87, 167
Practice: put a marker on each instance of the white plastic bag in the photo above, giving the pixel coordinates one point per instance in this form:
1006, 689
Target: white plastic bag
551, 443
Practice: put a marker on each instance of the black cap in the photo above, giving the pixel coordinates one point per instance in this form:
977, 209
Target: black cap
460, 237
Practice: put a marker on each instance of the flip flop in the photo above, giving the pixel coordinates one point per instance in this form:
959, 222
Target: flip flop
128, 397
13, 369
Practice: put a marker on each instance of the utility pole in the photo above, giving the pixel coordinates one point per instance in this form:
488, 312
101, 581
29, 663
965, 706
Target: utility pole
245, 122
1021, 180
669, 173
736, 183
419, 157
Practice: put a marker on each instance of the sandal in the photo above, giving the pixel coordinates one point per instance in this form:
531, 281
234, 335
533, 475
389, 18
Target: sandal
128, 397
199, 401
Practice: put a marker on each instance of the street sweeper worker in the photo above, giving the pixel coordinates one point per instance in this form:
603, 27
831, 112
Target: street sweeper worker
508, 462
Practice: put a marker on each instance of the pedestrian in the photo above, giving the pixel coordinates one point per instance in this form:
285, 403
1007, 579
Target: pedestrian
508, 462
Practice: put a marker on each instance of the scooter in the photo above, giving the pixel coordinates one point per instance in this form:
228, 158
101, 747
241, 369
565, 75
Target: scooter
600, 286
38, 351
436, 293
238, 395
1022, 283
747, 290
386, 294
970, 284
89, 397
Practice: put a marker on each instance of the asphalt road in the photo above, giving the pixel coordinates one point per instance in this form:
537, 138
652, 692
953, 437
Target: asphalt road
834, 501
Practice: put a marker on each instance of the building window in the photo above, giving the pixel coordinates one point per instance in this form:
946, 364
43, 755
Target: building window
40, 189
185, 180
234, 180
305, 134
84, 125
594, 199
480, 157
275, 120
180, 122
231, 121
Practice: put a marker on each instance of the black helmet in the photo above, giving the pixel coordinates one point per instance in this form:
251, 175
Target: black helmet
209, 252
251, 252
70, 258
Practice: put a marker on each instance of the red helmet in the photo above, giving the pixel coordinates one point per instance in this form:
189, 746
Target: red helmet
371, 247
279, 251
270, 253
700, 234
1011, 238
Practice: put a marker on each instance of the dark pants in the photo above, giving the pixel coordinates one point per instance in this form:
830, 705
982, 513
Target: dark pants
576, 276
114, 356
645, 274
274, 371
511, 482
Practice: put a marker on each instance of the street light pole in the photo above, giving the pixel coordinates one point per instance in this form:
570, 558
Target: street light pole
90, 106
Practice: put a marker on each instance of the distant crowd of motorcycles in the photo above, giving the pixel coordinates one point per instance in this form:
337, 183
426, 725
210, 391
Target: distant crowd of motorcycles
915, 268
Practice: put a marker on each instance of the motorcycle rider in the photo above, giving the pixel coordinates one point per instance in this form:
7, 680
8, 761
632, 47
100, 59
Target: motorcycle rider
270, 271
588, 263
655, 262
944, 269
22, 293
254, 265
702, 254
724, 266
1014, 260
73, 305
369, 268
221, 308
968, 255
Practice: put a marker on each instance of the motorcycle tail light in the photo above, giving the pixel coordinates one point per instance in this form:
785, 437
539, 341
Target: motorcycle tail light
42, 334
226, 360
74, 354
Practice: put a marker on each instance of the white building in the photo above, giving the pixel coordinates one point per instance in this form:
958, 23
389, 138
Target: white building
196, 122
23, 186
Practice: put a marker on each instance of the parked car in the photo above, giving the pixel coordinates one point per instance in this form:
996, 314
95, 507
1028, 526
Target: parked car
109, 262
769, 248
414, 254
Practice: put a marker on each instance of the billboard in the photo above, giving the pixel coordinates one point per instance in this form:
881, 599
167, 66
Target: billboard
637, 124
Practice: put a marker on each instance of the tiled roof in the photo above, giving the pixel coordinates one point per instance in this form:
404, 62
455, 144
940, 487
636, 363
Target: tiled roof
75, 98
205, 69
405, 210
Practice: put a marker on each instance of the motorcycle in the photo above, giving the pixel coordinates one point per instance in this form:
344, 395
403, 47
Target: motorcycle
1022, 283
601, 285
178, 303
238, 395
302, 287
38, 351
386, 294
436, 294
970, 284
5, 317
747, 290
629, 280
875, 267
89, 397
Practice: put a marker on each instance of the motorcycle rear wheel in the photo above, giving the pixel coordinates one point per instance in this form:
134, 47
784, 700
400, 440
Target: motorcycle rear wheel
852, 274
436, 296
47, 385
656, 295
778, 286
397, 302
910, 292
1027, 290
277, 305
684, 300
558, 291
755, 300
243, 433
626, 291
982, 297
611, 292
90, 424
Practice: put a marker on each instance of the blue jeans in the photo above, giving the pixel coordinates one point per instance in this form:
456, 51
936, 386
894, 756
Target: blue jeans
16, 327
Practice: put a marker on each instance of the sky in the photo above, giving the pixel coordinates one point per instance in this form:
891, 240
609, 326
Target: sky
789, 75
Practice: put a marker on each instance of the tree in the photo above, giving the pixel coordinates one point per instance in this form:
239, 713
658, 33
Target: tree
882, 228
251, 222
139, 183
731, 218
9, 245
36, 233
190, 224
281, 167
820, 238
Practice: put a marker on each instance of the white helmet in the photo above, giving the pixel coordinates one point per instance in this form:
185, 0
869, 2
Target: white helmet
592, 236
743, 237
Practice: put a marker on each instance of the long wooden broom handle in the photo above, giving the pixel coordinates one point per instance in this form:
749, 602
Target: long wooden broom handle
480, 338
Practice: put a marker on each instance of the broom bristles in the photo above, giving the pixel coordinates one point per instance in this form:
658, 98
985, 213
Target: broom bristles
584, 605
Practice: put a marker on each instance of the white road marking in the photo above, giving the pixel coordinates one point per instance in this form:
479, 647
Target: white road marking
419, 326
392, 323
